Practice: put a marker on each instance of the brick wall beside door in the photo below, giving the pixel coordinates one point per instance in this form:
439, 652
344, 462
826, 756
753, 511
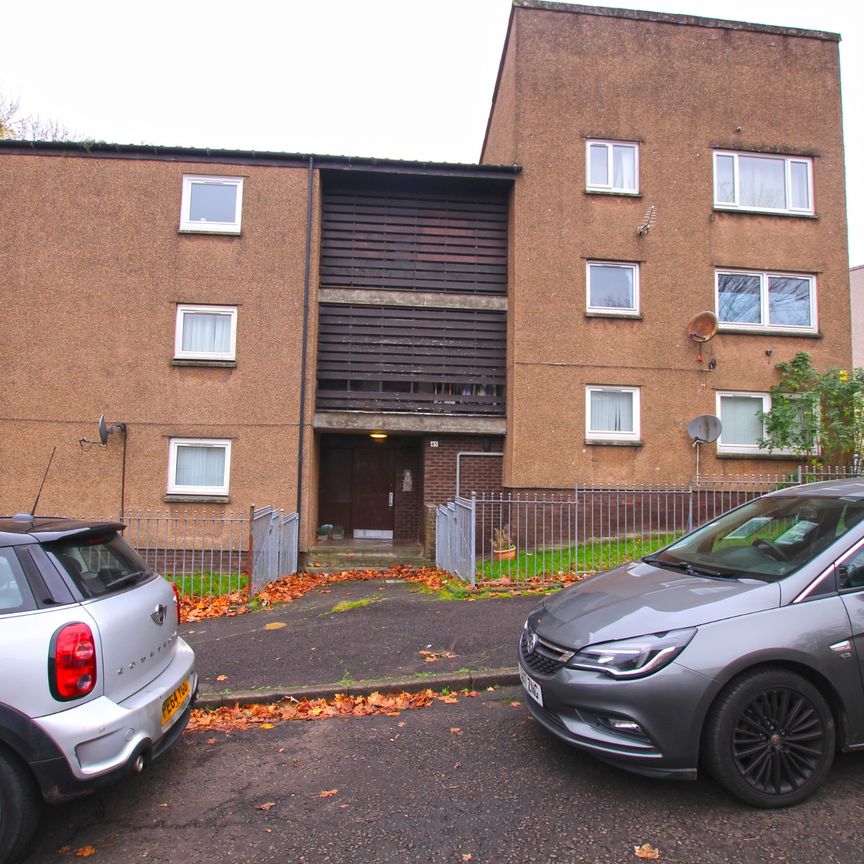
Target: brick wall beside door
478, 474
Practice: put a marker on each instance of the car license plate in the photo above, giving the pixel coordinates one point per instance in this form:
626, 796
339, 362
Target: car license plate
171, 705
532, 688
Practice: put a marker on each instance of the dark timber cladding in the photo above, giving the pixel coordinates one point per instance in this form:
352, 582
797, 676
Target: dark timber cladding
414, 234
389, 358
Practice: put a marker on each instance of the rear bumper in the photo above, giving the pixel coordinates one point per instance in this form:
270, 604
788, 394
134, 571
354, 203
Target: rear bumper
57, 782
102, 740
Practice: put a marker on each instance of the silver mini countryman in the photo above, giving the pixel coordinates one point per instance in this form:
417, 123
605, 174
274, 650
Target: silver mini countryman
96, 681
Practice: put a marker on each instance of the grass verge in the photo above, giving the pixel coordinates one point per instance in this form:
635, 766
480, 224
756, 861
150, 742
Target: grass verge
208, 584
581, 558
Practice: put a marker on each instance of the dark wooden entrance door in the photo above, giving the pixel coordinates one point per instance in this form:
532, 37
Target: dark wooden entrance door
373, 492
357, 484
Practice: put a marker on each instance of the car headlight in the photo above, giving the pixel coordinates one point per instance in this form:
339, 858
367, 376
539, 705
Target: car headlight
632, 658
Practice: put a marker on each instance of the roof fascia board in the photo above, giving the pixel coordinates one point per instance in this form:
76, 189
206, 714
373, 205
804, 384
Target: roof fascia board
668, 18
137, 152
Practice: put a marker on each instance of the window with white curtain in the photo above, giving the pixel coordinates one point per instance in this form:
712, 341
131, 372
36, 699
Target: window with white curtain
763, 182
756, 300
205, 333
741, 417
613, 288
199, 466
612, 413
612, 166
211, 204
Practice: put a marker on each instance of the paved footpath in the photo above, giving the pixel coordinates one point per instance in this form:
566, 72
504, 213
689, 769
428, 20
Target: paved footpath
377, 640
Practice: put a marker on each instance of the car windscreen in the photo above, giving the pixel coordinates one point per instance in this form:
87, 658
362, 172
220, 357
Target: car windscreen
767, 539
99, 564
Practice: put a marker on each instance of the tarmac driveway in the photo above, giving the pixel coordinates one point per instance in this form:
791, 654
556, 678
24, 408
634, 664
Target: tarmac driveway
379, 634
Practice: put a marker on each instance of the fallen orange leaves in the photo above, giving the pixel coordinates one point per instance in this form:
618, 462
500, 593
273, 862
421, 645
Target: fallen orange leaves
291, 587
198, 608
264, 716
646, 850
435, 656
85, 851
328, 794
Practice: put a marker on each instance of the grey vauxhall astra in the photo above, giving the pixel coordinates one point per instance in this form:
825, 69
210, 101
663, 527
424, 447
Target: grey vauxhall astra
740, 647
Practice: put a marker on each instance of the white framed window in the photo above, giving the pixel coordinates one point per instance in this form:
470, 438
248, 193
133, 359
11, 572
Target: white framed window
611, 413
612, 166
199, 466
211, 204
741, 417
205, 332
743, 426
763, 183
761, 300
612, 288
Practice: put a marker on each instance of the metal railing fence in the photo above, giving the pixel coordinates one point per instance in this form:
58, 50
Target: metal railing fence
549, 536
209, 554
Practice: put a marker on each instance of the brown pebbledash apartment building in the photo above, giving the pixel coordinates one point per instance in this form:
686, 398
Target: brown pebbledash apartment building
359, 339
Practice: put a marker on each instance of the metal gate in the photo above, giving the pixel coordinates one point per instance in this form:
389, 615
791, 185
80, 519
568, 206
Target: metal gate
455, 543
273, 546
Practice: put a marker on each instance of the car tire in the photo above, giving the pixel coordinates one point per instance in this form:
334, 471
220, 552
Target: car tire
770, 738
20, 804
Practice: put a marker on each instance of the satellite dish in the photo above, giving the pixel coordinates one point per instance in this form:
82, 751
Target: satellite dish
105, 430
702, 327
704, 429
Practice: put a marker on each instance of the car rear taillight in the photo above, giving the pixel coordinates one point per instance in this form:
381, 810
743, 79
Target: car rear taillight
72, 662
177, 601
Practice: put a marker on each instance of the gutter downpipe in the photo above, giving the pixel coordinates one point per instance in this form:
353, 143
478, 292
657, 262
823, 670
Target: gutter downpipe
469, 453
304, 352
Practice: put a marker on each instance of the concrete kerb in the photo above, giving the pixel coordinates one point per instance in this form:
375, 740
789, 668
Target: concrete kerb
508, 677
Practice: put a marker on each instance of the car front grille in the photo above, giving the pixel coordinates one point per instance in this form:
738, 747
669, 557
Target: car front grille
545, 659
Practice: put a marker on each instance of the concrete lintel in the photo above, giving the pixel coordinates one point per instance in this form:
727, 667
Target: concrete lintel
358, 421
425, 299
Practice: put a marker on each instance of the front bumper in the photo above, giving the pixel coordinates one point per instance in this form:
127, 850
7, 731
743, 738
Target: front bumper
668, 706
102, 740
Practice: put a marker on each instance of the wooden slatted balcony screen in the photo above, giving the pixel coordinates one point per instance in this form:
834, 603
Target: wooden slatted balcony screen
386, 358
426, 237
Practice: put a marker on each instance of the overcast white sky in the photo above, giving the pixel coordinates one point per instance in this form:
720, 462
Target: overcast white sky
406, 79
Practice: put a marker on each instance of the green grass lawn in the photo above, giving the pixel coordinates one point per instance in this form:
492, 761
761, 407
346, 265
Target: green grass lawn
582, 558
208, 584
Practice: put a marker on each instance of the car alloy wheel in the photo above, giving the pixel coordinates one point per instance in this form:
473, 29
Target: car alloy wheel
19, 807
770, 738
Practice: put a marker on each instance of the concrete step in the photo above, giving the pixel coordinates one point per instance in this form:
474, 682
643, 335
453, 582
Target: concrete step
355, 555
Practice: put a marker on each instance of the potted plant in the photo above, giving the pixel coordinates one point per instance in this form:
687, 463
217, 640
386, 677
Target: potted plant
322, 532
503, 547
337, 532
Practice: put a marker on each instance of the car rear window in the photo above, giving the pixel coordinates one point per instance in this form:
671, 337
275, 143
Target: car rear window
15, 594
99, 564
